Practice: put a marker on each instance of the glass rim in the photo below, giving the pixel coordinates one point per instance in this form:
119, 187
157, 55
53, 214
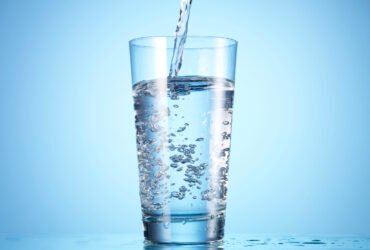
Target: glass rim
209, 42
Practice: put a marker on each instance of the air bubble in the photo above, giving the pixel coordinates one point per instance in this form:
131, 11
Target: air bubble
172, 147
203, 166
181, 196
175, 194
181, 129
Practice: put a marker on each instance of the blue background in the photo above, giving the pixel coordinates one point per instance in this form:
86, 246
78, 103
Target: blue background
300, 159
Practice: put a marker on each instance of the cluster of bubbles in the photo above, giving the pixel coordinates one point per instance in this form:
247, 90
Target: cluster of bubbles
163, 153
151, 142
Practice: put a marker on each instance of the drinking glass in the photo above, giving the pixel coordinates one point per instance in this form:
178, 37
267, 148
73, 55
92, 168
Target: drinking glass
183, 133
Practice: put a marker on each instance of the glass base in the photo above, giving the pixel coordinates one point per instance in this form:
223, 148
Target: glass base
184, 230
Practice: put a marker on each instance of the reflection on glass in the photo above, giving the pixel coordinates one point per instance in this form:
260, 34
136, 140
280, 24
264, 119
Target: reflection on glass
134, 242
149, 246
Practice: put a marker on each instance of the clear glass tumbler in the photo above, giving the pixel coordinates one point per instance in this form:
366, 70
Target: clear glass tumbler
183, 132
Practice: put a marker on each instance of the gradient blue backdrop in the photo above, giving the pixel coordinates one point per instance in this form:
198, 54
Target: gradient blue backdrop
301, 139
